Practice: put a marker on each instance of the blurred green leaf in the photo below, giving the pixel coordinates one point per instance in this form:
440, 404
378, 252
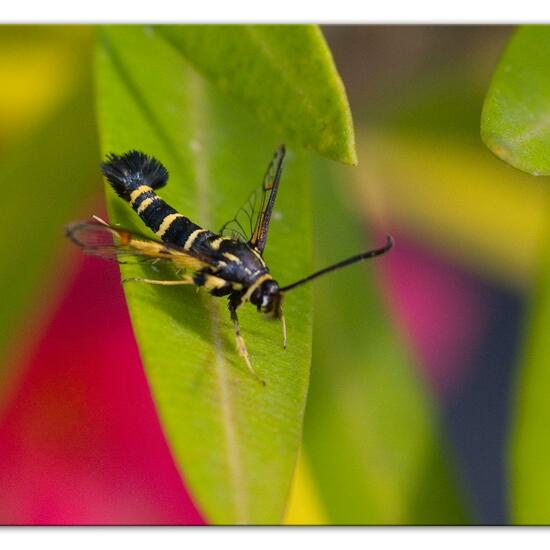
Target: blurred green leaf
235, 441
372, 434
530, 442
515, 122
444, 105
284, 74
44, 179
525, 80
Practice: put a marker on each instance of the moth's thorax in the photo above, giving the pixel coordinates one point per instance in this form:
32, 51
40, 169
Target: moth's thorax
233, 260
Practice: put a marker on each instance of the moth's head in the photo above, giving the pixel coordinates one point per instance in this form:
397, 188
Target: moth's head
267, 296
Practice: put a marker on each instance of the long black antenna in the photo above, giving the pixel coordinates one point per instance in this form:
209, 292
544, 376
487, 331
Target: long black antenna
343, 263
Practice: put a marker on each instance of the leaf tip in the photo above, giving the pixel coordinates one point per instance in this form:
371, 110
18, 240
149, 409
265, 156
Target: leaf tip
340, 146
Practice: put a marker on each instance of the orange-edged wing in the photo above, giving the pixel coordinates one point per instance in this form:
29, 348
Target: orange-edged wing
113, 243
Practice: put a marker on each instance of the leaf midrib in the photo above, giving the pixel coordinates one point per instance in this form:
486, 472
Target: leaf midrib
226, 399
225, 395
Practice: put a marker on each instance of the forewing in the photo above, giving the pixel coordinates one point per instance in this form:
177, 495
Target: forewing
251, 222
241, 227
123, 246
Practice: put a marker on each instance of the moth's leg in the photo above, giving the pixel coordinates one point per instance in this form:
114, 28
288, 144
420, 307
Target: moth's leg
183, 281
278, 313
234, 303
283, 324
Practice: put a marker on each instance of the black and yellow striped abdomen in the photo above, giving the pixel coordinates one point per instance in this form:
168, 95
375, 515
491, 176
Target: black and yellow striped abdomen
135, 176
168, 224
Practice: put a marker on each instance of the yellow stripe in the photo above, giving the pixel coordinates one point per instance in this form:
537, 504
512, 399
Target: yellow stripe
137, 192
215, 245
232, 257
191, 239
258, 255
213, 282
166, 223
145, 204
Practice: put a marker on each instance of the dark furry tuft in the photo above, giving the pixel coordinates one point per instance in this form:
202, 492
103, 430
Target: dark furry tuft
132, 169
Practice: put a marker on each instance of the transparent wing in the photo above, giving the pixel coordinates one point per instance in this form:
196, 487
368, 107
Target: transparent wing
123, 246
241, 226
251, 222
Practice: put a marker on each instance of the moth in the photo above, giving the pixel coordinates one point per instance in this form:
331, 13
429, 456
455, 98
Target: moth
226, 263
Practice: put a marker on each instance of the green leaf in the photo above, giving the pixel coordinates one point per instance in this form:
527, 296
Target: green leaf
515, 122
516, 127
234, 440
530, 443
372, 434
44, 179
283, 74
